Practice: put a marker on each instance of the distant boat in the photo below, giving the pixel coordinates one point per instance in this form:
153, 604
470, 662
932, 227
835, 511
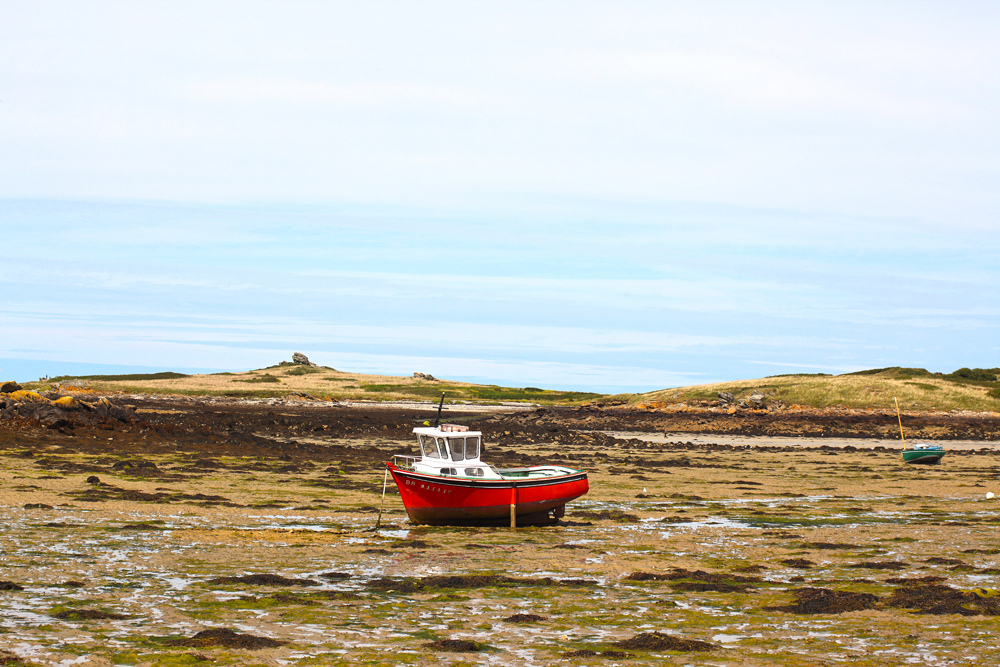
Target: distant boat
917, 453
923, 454
448, 484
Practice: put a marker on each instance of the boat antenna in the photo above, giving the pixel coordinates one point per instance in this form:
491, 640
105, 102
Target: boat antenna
437, 422
901, 436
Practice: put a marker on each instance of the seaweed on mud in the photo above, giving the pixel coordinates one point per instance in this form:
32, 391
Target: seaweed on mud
463, 581
829, 545
376, 551
826, 601
937, 560
938, 599
568, 546
264, 580
525, 618
87, 614
37, 506
588, 653
750, 568
609, 515
894, 565
456, 646
225, 637
412, 544
987, 552
704, 586
800, 563
335, 575
10, 586
293, 598
695, 575
657, 641
905, 581
141, 525
8, 658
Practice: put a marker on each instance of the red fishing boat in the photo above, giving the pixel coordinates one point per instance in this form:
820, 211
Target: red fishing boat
448, 484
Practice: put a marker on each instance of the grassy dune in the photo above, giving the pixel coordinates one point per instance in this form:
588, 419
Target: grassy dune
916, 389
320, 382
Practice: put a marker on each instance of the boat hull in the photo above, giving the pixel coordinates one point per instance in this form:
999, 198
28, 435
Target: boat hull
922, 455
438, 500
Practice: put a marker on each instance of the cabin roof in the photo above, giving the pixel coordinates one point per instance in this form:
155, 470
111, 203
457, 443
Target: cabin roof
441, 433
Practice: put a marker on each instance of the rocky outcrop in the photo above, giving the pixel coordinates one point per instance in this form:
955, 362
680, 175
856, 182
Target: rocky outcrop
9, 387
299, 358
726, 399
425, 376
63, 411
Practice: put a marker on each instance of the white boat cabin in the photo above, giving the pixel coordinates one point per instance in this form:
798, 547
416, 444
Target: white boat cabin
452, 450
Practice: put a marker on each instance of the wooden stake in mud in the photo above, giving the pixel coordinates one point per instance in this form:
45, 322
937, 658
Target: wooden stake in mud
513, 506
901, 436
385, 481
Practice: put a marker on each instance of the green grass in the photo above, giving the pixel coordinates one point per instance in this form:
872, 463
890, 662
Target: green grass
265, 378
483, 393
916, 389
132, 377
304, 370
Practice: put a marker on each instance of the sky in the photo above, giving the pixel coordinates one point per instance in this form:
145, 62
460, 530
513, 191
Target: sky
585, 195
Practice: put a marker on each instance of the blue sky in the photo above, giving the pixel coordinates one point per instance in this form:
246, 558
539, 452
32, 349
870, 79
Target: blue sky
619, 197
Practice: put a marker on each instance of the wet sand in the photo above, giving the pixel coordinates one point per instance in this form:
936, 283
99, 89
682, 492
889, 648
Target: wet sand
708, 542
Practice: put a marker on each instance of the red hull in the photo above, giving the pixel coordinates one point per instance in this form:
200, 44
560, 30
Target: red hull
438, 500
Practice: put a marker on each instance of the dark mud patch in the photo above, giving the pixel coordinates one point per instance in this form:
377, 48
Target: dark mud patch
880, 565
938, 599
525, 618
10, 586
800, 563
826, 601
264, 580
87, 614
225, 637
456, 646
657, 641
335, 576
37, 506
376, 551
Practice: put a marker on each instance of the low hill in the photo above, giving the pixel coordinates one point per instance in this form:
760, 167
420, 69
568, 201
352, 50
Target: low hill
321, 382
917, 389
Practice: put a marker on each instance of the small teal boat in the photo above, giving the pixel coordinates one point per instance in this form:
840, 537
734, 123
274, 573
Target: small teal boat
923, 454
917, 453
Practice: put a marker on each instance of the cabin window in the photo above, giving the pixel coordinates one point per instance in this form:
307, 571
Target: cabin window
429, 445
473, 472
457, 446
472, 448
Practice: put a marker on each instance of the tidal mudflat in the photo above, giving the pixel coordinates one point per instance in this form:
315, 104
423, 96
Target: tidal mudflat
161, 545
